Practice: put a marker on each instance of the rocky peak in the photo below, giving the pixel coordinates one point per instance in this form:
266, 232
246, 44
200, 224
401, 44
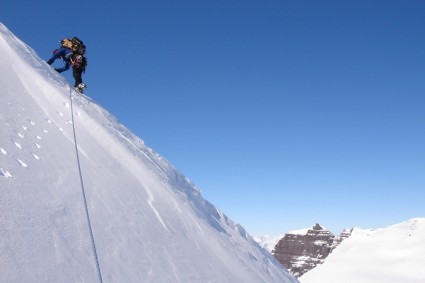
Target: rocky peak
301, 252
317, 227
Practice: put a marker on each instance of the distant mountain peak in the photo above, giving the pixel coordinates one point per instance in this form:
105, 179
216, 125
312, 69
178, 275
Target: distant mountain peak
317, 227
301, 250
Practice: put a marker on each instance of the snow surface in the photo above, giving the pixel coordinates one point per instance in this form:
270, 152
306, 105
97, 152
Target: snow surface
150, 223
395, 254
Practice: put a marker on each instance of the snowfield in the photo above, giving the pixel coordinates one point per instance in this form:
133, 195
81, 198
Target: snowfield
149, 222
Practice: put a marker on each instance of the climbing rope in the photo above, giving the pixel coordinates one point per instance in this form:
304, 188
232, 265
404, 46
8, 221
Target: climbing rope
99, 274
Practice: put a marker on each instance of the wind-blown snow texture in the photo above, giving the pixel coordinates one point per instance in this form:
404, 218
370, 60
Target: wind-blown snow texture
395, 254
150, 223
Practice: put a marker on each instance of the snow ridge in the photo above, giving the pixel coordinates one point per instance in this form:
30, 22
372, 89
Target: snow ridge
151, 223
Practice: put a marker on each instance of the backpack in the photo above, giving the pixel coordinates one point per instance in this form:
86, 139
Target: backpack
78, 46
66, 43
75, 44
78, 61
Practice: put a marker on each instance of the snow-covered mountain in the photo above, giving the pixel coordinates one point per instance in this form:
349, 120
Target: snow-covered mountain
149, 223
395, 254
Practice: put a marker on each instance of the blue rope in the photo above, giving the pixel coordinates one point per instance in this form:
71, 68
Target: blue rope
99, 274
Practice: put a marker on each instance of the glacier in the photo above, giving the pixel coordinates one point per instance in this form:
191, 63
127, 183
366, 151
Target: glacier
149, 222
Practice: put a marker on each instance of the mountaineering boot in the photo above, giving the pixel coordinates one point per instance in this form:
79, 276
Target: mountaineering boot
80, 88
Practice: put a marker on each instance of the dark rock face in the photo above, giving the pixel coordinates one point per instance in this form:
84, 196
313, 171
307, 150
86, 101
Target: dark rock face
301, 252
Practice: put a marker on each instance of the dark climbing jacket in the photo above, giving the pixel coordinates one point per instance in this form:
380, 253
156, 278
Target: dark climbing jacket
78, 61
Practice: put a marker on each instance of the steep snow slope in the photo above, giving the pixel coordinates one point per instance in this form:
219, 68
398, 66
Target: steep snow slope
395, 254
150, 223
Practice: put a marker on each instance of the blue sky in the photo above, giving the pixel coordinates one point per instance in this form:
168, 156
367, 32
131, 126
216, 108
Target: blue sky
285, 113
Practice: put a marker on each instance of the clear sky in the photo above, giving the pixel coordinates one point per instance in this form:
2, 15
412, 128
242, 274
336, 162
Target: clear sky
284, 113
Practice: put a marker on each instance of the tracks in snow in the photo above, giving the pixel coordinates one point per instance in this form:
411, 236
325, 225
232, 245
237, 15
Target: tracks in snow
26, 136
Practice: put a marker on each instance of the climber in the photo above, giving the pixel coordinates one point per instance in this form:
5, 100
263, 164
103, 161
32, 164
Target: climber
78, 63
72, 53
